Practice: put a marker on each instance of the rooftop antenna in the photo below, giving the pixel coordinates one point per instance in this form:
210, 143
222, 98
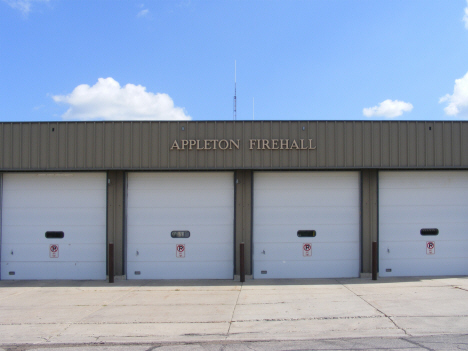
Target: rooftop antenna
253, 109
235, 97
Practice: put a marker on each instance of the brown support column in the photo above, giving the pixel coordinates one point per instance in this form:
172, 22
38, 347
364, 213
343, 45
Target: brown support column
243, 189
375, 263
242, 263
1, 215
115, 218
110, 260
369, 216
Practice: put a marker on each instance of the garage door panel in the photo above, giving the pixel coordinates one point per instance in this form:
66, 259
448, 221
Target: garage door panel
203, 233
313, 215
311, 269
164, 198
201, 203
294, 251
55, 199
321, 197
421, 180
176, 270
74, 203
51, 271
301, 181
427, 196
411, 201
67, 252
54, 216
180, 181
182, 217
411, 231
285, 202
193, 252
444, 214
417, 249
33, 234
324, 233
418, 267
60, 181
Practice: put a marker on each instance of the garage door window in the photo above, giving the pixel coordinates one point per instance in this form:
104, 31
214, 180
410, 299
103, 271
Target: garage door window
180, 234
306, 233
54, 235
429, 231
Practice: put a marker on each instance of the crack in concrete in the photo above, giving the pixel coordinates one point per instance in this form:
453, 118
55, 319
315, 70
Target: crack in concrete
378, 310
396, 325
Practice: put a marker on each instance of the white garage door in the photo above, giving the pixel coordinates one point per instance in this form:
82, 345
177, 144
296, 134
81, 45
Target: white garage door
423, 221
290, 204
163, 208
54, 226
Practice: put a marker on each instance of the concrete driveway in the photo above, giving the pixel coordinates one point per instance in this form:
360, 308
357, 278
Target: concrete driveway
56, 312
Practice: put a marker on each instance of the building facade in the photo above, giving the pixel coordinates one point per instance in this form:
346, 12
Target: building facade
176, 199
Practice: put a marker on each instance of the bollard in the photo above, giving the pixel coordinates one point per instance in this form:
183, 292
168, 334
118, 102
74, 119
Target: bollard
111, 263
374, 260
242, 266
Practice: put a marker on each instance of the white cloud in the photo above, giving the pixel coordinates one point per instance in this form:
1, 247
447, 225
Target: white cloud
143, 13
458, 101
107, 100
465, 17
24, 6
388, 108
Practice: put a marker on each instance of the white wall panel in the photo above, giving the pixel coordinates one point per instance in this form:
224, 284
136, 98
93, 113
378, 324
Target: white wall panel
285, 202
410, 201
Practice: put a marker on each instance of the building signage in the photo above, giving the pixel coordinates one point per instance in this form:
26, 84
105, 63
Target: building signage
230, 144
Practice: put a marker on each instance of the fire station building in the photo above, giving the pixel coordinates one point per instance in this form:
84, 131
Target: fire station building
174, 200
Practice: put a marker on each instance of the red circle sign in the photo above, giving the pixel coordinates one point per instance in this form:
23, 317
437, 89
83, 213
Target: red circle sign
430, 245
307, 247
53, 248
181, 248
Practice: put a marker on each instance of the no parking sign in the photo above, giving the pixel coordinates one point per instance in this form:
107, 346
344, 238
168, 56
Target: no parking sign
307, 250
430, 247
180, 250
53, 251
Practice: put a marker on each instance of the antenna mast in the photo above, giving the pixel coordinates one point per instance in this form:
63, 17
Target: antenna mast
235, 95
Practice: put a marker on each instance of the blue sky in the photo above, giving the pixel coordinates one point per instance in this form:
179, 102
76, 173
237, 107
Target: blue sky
296, 60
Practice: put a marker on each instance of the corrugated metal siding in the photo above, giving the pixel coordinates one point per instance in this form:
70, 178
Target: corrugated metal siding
146, 145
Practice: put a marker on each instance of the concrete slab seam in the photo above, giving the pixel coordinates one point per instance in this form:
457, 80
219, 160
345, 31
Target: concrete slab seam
378, 310
87, 315
155, 345
234, 310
